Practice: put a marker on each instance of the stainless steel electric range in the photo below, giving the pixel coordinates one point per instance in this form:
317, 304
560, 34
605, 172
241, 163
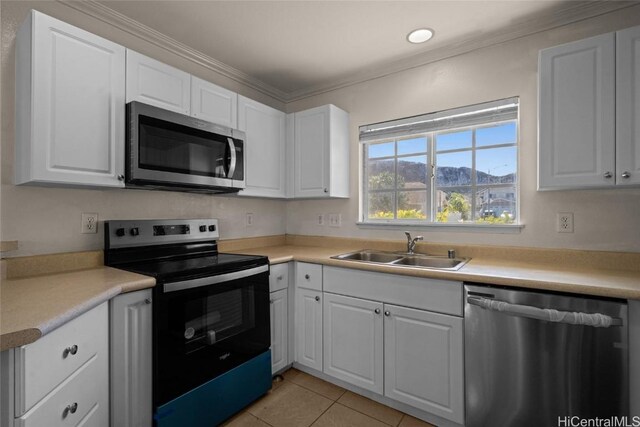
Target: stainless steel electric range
211, 332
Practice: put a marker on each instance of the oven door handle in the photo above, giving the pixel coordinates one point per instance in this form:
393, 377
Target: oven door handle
212, 280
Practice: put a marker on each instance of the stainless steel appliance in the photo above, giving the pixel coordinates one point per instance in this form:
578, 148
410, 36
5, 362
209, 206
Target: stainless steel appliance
211, 329
534, 358
171, 151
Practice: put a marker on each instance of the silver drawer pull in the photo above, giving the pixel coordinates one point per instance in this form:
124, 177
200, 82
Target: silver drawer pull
70, 351
70, 409
608, 174
306, 276
387, 313
317, 298
626, 174
376, 311
279, 277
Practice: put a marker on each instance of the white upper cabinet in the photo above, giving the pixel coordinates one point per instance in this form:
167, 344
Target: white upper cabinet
213, 103
577, 114
154, 83
70, 89
321, 153
628, 106
265, 149
589, 134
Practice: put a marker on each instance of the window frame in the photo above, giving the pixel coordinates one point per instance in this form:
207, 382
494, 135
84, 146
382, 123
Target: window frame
431, 186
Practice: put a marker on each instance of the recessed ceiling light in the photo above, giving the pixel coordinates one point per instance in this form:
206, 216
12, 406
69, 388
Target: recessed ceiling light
420, 35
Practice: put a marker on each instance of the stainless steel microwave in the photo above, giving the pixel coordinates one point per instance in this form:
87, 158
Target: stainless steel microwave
171, 151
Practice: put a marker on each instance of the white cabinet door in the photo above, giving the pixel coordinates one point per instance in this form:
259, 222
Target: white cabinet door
321, 152
154, 83
70, 88
628, 106
576, 141
308, 328
353, 341
279, 330
213, 103
264, 147
423, 354
311, 151
131, 359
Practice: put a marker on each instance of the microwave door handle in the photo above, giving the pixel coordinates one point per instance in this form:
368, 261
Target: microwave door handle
232, 162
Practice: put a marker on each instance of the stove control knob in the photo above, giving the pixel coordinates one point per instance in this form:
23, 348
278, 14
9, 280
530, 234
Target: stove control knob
120, 232
203, 228
212, 228
134, 231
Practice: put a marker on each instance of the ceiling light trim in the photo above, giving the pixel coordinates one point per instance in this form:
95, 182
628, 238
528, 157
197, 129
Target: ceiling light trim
569, 15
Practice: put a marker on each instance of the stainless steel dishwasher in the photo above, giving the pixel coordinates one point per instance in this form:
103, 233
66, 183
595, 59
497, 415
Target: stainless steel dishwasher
533, 358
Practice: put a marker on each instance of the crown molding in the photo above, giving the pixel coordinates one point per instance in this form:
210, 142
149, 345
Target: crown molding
570, 14
575, 12
137, 29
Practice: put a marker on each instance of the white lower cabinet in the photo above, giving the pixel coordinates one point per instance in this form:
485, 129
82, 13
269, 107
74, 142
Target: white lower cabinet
62, 379
308, 328
381, 333
424, 363
279, 330
131, 358
353, 342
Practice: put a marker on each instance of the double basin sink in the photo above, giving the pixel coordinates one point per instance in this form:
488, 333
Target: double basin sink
431, 262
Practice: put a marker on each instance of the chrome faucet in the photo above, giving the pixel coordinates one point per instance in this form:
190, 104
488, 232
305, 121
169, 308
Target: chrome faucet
411, 243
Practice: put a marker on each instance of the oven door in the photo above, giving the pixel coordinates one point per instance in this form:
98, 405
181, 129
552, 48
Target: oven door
171, 149
207, 326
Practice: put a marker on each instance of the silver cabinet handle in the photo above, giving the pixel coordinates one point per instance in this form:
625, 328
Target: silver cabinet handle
120, 177
147, 300
279, 277
317, 298
626, 174
608, 174
270, 301
70, 409
386, 313
306, 276
376, 311
326, 190
70, 351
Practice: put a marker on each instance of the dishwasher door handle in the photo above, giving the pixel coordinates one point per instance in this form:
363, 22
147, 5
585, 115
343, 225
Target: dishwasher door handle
596, 320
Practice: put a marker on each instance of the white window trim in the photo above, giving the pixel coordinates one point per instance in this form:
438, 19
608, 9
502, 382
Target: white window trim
365, 222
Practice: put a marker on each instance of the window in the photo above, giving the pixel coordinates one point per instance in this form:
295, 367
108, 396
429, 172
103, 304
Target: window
456, 167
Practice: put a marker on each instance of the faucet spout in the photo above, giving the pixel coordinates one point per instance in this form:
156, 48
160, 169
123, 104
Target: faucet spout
411, 243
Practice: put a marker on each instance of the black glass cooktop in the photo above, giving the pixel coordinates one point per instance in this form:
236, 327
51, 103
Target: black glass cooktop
184, 268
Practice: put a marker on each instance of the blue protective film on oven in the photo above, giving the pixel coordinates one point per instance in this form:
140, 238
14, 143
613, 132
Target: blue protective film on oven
216, 400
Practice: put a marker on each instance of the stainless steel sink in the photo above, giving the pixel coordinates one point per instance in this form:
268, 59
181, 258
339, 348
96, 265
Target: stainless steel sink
404, 260
370, 256
441, 263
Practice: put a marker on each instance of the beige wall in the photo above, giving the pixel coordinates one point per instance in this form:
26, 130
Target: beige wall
604, 219
46, 220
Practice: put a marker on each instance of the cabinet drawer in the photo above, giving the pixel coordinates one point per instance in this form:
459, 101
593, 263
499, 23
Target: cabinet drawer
279, 277
42, 366
87, 388
309, 276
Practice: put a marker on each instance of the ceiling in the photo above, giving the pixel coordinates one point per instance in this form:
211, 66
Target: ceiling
295, 48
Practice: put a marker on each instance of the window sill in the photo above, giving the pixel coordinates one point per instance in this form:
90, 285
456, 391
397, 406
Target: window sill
473, 228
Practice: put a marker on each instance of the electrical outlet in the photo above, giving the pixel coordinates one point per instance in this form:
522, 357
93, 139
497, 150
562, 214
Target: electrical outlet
89, 223
320, 219
335, 220
565, 222
248, 221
